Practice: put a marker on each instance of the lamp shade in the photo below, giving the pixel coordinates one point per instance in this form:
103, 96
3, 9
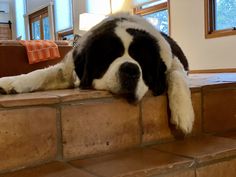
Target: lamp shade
88, 20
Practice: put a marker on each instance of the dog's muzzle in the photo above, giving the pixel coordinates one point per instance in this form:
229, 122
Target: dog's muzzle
129, 74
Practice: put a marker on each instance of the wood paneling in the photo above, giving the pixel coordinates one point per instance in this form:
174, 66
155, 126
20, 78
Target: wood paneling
5, 32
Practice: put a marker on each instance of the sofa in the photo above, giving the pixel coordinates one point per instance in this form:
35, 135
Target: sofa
14, 61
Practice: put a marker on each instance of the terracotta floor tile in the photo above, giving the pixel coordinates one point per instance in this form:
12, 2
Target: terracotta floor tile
55, 169
138, 163
181, 173
228, 134
28, 99
77, 94
99, 126
27, 136
219, 109
220, 169
155, 119
203, 149
197, 106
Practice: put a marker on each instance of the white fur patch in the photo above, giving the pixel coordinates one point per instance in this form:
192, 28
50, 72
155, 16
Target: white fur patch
136, 22
182, 113
125, 37
58, 76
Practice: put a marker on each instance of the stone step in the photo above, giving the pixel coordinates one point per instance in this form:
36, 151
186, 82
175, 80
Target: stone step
200, 156
53, 169
41, 127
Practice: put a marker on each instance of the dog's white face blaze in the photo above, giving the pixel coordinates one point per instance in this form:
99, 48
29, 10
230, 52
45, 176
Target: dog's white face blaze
110, 80
136, 22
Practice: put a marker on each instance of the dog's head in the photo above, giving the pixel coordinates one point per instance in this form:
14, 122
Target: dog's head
124, 55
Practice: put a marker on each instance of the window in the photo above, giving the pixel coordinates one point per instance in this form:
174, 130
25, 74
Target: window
39, 25
157, 13
220, 18
63, 18
20, 21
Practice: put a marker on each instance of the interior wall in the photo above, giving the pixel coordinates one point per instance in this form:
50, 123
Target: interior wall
79, 7
187, 28
4, 6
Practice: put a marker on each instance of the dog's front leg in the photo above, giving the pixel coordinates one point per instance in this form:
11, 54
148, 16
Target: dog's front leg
59, 76
182, 114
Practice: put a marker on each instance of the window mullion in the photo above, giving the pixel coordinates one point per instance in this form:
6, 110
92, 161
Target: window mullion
41, 27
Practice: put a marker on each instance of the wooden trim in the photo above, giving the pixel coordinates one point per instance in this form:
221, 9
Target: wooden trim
149, 10
155, 8
206, 17
220, 33
169, 19
226, 70
210, 32
38, 13
61, 34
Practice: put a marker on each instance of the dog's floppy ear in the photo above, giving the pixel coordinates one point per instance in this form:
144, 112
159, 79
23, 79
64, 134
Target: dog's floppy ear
177, 51
80, 62
158, 85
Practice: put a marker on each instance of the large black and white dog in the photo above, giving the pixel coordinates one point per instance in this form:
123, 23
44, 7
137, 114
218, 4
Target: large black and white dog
125, 55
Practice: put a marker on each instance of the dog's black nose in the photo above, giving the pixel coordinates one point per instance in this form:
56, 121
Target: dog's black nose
129, 70
129, 74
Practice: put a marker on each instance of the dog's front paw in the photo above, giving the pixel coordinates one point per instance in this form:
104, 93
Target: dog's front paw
2, 91
183, 120
6, 86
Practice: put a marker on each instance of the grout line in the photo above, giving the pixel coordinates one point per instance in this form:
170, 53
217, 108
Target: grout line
141, 133
59, 134
29, 106
198, 164
25, 166
195, 171
176, 154
215, 161
202, 110
83, 169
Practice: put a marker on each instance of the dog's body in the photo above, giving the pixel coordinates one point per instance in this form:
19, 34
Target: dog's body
125, 55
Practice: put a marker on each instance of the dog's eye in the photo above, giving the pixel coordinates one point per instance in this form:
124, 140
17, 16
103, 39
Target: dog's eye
99, 52
106, 48
144, 50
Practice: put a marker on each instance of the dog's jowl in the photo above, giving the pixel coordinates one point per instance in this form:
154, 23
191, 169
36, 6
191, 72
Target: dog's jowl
125, 55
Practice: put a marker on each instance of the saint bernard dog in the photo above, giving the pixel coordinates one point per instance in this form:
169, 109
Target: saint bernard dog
124, 54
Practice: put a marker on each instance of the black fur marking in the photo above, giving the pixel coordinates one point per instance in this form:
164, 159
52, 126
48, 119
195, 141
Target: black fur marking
129, 75
2, 91
177, 51
145, 50
101, 49
13, 91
